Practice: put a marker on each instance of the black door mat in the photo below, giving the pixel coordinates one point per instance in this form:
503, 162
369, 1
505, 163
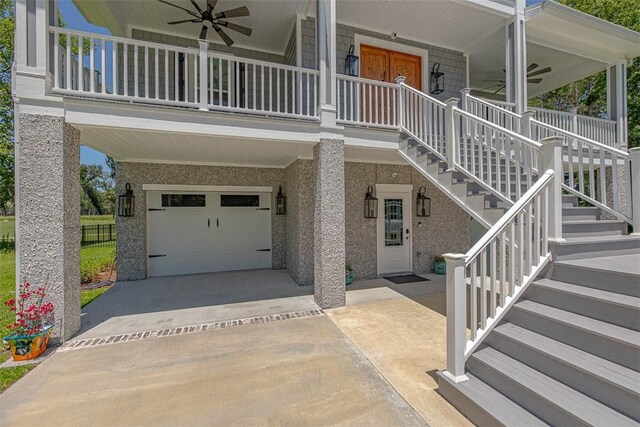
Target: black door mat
407, 278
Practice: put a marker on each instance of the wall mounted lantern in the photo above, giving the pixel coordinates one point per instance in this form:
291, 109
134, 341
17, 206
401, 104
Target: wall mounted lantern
423, 203
437, 79
351, 63
126, 202
281, 203
370, 204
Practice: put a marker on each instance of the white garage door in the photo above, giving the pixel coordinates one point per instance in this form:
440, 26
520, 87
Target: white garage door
204, 232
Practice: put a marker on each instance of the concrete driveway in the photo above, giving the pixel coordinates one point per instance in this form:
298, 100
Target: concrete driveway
301, 372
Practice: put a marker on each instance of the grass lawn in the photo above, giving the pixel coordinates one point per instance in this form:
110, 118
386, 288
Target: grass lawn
7, 223
10, 375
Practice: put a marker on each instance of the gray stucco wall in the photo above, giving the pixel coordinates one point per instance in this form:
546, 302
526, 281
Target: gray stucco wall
131, 247
48, 167
452, 63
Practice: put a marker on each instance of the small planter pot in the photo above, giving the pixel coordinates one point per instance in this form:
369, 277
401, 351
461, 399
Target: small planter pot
28, 347
440, 267
348, 277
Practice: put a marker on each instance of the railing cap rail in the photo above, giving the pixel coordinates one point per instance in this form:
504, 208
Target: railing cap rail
502, 223
498, 128
363, 80
496, 106
422, 94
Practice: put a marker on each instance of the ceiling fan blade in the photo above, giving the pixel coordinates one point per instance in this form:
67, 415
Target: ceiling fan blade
543, 71
193, 2
496, 92
203, 33
190, 12
234, 13
531, 67
534, 81
184, 21
235, 27
224, 36
495, 80
211, 4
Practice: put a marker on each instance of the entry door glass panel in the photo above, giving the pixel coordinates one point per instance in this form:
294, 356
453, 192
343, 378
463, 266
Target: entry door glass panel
393, 222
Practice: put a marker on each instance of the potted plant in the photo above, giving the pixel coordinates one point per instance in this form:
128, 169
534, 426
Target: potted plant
440, 265
348, 278
29, 334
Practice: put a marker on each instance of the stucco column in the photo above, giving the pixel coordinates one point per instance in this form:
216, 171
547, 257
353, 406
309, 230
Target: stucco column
329, 227
48, 214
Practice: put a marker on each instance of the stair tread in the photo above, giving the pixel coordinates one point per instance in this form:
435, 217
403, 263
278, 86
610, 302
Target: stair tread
603, 369
554, 392
622, 264
592, 293
593, 221
497, 404
587, 239
598, 327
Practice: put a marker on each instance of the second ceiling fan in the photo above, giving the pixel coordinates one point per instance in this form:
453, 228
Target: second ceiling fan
216, 20
531, 77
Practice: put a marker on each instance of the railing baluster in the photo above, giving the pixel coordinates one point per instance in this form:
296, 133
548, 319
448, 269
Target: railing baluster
68, 60
92, 66
80, 64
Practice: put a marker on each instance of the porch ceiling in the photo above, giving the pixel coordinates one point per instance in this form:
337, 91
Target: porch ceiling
454, 24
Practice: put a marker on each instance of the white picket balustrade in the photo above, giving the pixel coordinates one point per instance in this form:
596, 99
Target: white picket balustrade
366, 102
424, 118
483, 283
491, 112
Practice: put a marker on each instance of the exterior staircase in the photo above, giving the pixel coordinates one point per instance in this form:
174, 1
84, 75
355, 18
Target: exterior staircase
568, 351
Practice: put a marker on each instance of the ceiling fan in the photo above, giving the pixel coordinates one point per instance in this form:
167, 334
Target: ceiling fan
216, 20
531, 77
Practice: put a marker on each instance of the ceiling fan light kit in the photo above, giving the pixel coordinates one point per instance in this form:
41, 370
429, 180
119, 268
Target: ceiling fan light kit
216, 20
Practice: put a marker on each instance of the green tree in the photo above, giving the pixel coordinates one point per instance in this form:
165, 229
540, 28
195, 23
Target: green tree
7, 25
590, 94
97, 190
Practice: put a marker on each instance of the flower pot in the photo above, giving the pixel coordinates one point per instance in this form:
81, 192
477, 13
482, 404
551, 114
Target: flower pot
27, 347
348, 277
440, 267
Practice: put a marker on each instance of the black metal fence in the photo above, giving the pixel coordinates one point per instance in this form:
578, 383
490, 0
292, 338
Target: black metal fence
98, 234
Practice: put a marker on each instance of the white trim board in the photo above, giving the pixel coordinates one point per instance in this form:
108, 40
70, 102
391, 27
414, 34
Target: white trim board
206, 188
359, 39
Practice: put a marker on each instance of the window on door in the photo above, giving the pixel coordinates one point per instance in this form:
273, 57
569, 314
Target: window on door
393, 222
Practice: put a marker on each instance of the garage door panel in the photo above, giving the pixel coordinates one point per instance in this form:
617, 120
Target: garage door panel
207, 239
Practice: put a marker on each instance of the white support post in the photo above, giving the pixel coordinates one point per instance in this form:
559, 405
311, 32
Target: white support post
464, 99
634, 157
456, 317
450, 132
325, 49
401, 102
617, 101
516, 59
204, 72
551, 158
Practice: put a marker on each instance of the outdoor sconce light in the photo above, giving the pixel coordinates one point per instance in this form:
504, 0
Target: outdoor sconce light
437, 79
126, 202
281, 203
423, 203
370, 204
351, 63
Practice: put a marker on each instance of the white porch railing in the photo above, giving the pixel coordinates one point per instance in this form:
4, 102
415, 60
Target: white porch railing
365, 102
502, 116
136, 70
424, 118
594, 128
486, 281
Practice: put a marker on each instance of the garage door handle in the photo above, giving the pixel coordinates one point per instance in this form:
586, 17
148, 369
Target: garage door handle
156, 209
263, 250
263, 209
156, 256
209, 222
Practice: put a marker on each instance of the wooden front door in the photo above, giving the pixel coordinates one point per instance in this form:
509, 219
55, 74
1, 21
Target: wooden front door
385, 65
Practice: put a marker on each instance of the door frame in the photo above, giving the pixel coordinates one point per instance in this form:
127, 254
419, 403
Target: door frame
403, 190
359, 39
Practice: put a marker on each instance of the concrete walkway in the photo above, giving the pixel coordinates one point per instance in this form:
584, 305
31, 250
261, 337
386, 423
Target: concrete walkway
301, 372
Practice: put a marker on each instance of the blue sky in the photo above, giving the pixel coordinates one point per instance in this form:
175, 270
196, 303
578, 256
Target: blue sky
75, 21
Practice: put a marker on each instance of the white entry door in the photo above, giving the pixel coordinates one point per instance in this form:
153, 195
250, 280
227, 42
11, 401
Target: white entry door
207, 232
394, 229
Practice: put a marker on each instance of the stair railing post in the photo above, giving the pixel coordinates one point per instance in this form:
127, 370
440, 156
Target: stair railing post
525, 124
456, 317
574, 119
401, 103
464, 102
551, 158
204, 74
450, 132
634, 158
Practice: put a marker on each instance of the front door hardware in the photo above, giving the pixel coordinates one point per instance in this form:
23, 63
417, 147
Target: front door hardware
263, 250
208, 222
156, 256
217, 222
156, 209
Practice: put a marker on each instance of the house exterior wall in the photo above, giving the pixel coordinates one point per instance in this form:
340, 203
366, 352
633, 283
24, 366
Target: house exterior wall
452, 63
131, 245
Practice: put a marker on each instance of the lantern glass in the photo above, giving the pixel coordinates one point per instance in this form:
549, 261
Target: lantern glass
281, 203
351, 63
126, 202
423, 203
370, 204
437, 79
